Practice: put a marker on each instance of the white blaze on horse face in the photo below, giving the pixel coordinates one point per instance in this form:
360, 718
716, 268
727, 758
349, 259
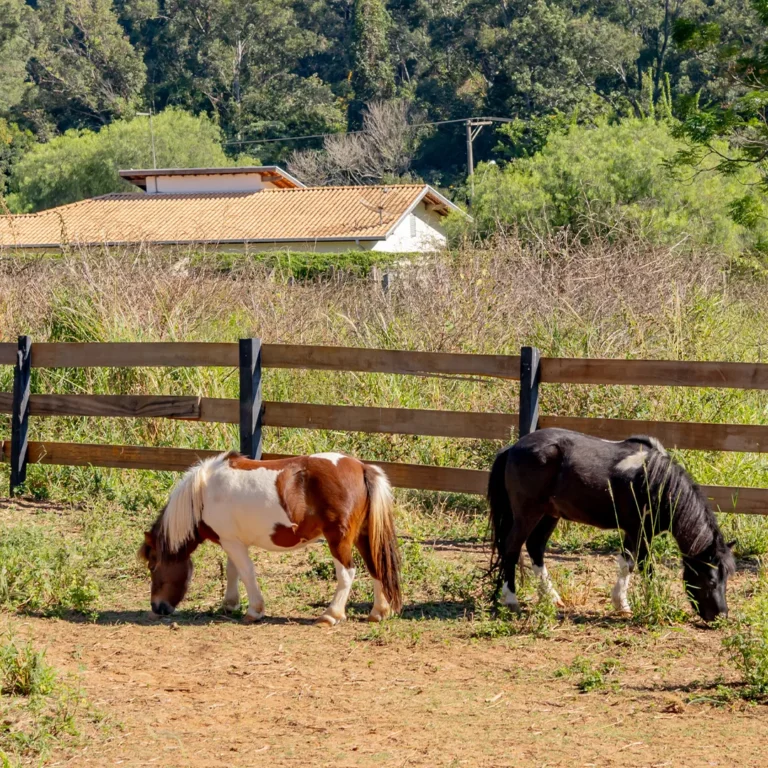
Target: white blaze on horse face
509, 598
336, 611
546, 584
243, 505
632, 462
619, 596
334, 458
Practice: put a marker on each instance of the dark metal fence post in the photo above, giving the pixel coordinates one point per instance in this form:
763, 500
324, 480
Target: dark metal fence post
20, 415
250, 398
530, 375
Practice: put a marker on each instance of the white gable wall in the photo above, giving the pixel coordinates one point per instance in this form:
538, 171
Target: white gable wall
420, 231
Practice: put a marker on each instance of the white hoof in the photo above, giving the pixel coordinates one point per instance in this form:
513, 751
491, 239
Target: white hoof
509, 598
619, 600
252, 616
376, 616
329, 620
229, 606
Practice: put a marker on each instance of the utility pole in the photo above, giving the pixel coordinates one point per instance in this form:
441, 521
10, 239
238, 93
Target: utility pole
477, 125
151, 135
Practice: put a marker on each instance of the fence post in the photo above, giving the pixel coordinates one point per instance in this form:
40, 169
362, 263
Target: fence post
250, 398
530, 375
20, 415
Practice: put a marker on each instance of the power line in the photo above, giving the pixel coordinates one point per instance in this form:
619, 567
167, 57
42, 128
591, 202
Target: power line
349, 133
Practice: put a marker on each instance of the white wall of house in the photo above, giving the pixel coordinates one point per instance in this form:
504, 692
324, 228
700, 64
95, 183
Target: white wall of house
219, 182
420, 231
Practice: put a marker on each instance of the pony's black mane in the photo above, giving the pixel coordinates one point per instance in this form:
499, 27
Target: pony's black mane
683, 509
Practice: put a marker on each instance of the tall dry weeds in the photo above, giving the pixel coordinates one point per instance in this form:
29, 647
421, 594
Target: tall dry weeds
602, 299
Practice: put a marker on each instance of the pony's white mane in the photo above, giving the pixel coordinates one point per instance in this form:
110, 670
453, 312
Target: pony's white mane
184, 510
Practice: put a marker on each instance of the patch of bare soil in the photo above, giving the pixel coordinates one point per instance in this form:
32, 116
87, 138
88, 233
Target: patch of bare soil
206, 690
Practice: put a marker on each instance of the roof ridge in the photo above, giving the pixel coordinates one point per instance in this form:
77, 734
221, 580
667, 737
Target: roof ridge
349, 186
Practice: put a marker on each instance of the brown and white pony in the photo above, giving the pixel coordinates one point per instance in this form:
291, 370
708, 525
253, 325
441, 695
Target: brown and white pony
277, 505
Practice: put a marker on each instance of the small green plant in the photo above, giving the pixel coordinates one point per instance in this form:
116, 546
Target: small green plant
41, 572
24, 671
591, 677
320, 567
36, 709
652, 597
746, 642
539, 620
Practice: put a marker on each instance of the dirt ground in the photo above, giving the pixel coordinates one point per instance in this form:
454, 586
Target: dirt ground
206, 690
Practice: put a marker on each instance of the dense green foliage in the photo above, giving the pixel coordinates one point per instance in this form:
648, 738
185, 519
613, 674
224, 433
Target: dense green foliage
273, 68
608, 177
82, 164
741, 119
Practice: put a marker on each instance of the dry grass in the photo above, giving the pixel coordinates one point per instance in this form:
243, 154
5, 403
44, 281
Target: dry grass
611, 298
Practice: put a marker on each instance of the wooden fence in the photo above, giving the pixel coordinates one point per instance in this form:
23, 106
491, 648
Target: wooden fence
252, 414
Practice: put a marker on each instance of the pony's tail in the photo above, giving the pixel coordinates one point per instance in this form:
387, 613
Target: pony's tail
382, 538
500, 517
184, 510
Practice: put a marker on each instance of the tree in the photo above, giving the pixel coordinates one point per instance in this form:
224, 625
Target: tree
14, 53
14, 142
384, 149
742, 120
83, 163
240, 60
86, 71
372, 73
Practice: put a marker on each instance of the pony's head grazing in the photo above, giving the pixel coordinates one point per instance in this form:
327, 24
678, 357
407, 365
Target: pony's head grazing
177, 532
170, 571
707, 559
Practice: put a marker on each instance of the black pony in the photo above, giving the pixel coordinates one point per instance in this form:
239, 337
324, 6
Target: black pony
632, 485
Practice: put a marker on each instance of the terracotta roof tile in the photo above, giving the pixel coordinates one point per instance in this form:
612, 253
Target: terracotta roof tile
312, 213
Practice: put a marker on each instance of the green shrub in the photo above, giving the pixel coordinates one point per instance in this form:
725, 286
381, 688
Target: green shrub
303, 265
612, 178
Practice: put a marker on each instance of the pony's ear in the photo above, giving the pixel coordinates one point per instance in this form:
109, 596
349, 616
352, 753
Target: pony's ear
731, 544
145, 548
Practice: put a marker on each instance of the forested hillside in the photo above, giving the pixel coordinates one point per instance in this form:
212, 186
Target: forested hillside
267, 69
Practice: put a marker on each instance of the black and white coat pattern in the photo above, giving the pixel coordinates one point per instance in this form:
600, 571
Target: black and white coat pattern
631, 485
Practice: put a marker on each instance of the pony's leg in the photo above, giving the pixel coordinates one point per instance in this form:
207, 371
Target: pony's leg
238, 554
522, 527
345, 575
536, 544
633, 555
619, 593
231, 596
381, 608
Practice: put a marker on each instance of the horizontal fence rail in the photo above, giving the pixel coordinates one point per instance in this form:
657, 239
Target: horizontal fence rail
452, 424
404, 421
204, 354
554, 370
752, 501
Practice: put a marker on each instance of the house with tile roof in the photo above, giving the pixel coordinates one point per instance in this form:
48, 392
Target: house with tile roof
253, 208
